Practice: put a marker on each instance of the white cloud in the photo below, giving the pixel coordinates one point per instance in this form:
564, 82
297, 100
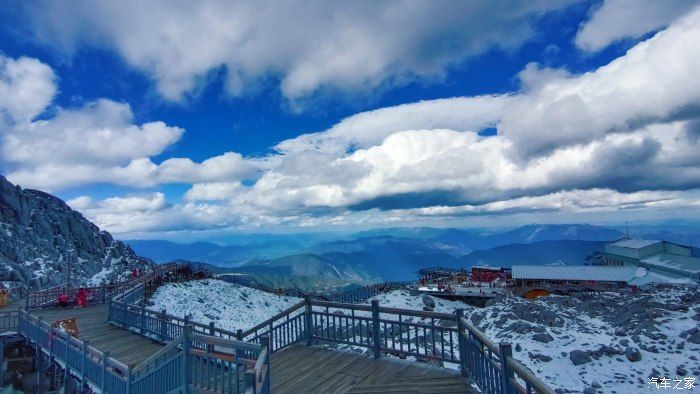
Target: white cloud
567, 201
307, 46
616, 20
212, 191
656, 80
101, 132
96, 143
26, 87
370, 128
622, 137
150, 212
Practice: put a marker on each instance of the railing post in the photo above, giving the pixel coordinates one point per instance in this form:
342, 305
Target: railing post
39, 366
186, 345
375, 329
2, 359
83, 379
103, 378
129, 378
142, 319
462, 343
265, 341
26, 302
309, 322
163, 326
505, 350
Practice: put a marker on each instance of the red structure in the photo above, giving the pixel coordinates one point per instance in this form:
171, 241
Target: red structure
489, 274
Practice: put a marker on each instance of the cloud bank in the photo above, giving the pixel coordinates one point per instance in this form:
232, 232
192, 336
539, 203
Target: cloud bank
326, 45
624, 136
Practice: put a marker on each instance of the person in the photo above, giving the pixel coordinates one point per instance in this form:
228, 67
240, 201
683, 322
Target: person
81, 297
63, 299
134, 273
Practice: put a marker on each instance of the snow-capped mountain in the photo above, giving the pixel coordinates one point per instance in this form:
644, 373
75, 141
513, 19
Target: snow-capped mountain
40, 234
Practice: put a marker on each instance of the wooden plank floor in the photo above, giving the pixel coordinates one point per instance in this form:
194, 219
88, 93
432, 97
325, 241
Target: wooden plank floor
302, 369
124, 345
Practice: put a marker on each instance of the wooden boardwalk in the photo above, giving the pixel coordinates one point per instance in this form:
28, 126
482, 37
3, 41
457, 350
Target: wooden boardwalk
124, 345
297, 369
302, 369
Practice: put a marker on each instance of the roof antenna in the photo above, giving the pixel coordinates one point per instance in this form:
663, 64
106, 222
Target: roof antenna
690, 240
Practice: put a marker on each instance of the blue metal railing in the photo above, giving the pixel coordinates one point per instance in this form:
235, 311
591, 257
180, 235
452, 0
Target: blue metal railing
425, 335
91, 366
191, 361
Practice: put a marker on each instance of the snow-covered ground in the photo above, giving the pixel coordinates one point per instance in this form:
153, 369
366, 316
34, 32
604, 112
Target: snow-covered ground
228, 305
403, 299
602, 342
599, 331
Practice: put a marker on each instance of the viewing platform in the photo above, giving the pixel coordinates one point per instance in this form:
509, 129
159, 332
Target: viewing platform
314, 346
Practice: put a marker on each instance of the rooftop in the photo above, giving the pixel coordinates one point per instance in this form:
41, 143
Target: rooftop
634, 243
684, 263
574, 272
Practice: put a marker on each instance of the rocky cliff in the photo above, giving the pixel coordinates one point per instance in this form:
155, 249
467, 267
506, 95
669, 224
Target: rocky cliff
42, 238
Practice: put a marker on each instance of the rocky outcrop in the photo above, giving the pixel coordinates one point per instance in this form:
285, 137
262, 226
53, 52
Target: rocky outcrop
40, 234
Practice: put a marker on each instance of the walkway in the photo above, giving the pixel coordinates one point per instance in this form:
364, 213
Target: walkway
315, 370
124, 345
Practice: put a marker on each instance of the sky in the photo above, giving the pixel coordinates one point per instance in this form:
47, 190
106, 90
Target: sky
189, 120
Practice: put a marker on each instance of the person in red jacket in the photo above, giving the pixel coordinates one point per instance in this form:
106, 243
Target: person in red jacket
134, 274
63, 299
82, 297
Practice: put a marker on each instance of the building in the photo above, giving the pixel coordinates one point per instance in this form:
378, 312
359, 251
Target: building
661, 257
489, 274
436, 274
573, 275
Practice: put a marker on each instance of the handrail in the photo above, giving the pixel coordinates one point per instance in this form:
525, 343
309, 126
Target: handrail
527, 375
383, 329
274, 318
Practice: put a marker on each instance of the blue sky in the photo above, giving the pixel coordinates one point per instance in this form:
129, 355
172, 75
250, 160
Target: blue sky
175, 120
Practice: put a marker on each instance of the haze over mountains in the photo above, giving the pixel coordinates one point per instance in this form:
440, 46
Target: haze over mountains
395, 254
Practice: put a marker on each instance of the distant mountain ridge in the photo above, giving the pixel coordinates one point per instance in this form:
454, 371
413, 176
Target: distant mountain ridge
396, 254
39, 233
570, 252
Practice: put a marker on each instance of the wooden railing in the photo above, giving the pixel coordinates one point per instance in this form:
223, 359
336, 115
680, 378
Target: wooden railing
424, 335
194, 361
89, 365
95, 294
492, 366
127, 310
281, 330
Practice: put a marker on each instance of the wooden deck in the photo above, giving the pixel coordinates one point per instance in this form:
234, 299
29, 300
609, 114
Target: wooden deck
296, 369
305, 369
124, 345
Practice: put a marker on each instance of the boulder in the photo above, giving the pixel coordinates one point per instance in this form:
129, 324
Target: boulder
695, 338
579, 357
540, 357
620, 332
428, 301
633, 354
543, 337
